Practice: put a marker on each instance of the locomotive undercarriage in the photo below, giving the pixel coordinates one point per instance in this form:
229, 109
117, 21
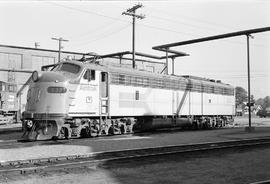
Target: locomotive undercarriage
93, 127
39, 129
183, 122
65, 128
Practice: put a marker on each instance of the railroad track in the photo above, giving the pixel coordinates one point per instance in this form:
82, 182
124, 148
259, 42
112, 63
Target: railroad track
36, 165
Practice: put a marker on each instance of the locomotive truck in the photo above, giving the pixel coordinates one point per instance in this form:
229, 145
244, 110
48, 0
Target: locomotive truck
84, 99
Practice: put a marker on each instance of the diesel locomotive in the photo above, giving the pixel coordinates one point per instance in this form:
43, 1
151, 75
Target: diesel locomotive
83, 99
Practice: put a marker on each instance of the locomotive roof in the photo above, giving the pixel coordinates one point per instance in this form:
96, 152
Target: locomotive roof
130, 71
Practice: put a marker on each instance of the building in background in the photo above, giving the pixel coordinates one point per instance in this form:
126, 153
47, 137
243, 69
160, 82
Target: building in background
23, 60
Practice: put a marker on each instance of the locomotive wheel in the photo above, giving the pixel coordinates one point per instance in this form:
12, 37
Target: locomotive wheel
103, 130
219, 123
63, 134
129, 126
225, 122
195, 125
94, 131
85, 132
114, 130
200, 125
94, 128
123, 129
111, 130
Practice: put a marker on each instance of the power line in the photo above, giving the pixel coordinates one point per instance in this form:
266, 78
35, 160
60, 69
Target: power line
102, 36
87, 11
196, 19
200, 21
118, 19
181, 22
90, 12
90, 31
167, 30
155, 27
113, 18
107, 29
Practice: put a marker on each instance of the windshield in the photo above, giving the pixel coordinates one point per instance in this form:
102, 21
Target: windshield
67, 67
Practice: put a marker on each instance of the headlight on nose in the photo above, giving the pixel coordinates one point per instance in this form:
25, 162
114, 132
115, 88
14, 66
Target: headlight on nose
55, 89
29, 123
35, 76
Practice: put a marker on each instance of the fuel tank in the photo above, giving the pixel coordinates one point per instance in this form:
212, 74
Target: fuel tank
148, 124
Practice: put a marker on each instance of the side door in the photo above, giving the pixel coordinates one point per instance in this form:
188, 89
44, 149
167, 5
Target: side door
104, 94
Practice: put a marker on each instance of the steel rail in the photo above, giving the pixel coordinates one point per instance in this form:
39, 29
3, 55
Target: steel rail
24, 166
262, 182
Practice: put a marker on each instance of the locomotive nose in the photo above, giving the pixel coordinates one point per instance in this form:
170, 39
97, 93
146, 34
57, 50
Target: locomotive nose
47, 93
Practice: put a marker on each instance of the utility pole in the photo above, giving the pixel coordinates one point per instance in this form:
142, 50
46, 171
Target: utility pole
36, 45
249, 128
60, 46
132, 12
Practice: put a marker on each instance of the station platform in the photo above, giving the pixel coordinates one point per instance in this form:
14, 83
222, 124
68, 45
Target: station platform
11, 150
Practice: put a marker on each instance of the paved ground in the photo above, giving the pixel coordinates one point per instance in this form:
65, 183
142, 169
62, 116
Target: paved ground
10, 150
237, 166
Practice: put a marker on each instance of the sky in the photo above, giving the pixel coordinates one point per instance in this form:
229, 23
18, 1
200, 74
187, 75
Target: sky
100, 27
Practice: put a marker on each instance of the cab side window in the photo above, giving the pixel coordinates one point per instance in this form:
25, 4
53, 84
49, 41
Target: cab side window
89, 75
93, 74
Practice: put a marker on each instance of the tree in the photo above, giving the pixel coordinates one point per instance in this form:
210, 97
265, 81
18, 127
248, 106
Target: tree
264, 102
259, 102
240, 96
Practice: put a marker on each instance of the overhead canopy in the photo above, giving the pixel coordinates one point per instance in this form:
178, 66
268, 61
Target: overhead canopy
120, 54
227, 35
209, 38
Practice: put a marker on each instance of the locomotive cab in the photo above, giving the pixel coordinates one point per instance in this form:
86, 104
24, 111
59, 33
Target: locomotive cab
85, 95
